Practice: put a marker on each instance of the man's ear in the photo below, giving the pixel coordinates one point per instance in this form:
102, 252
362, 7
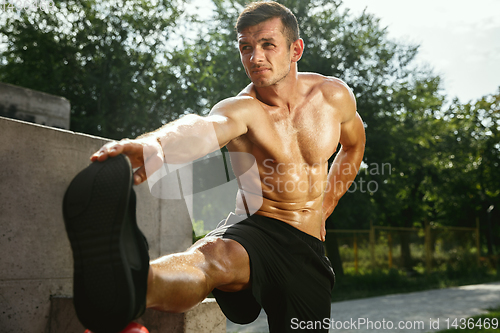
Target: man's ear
297, 49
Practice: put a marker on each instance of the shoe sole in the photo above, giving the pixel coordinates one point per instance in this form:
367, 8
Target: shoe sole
96, 214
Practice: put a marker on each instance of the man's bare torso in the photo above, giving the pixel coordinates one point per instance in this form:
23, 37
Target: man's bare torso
292, 146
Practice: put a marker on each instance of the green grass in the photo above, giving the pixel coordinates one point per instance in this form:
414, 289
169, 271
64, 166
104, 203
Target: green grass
386, 282
492, 317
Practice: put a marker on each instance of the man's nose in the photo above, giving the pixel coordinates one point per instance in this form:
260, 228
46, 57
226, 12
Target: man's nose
257, 55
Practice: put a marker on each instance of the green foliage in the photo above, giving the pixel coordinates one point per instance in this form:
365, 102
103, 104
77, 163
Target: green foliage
470, 166
217, 71
129, 66
199, 230
450, 251
478, 324
385, 282
105, 57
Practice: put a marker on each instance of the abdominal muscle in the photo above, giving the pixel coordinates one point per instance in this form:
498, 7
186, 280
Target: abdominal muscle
295, 198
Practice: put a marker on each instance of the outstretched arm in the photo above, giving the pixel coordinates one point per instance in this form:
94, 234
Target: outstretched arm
183, 140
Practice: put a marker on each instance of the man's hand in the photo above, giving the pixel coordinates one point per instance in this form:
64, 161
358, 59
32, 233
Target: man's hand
323, 231
327, 211
141, 153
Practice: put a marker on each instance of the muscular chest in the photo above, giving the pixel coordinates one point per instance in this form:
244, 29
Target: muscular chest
309, 133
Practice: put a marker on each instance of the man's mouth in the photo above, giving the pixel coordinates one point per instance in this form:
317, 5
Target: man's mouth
260, 70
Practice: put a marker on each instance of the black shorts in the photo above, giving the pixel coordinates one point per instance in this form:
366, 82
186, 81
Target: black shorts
291, 278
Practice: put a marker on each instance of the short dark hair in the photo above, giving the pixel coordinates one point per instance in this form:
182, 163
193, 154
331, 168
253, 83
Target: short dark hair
258, 12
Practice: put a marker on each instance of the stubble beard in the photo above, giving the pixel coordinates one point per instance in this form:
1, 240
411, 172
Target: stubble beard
264, 83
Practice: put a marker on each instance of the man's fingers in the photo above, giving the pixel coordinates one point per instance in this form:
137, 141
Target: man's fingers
146, 155
110, 149
115, 149
140, 175
153, 161
127, 147
323, 231
153, 158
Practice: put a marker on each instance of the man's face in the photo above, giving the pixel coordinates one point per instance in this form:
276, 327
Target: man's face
265, 53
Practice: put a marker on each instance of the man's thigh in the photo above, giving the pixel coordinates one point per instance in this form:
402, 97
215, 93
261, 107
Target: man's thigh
226, 263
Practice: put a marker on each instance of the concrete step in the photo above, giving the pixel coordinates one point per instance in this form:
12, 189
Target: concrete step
206, 317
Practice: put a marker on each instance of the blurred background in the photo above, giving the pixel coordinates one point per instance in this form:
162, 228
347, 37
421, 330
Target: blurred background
424, 210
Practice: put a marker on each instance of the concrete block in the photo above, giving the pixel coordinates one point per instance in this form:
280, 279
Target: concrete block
205, 318
34, 106
63, 316
38, 163
170, 233
25, 304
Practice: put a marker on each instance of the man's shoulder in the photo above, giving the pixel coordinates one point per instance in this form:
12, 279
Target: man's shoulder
335, 92
237, 106
328, 84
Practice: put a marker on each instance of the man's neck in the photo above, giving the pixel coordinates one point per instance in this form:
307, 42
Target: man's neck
281, 94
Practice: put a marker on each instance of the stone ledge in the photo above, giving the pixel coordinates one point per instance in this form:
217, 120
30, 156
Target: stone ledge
34, 106
38, 164
205, 318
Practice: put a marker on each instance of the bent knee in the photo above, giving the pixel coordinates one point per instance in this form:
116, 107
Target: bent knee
225, 252
226, 262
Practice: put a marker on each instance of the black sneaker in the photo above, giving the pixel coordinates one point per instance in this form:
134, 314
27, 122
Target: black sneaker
110, 253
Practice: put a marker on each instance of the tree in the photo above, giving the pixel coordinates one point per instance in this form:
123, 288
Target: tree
118, 65
395, 99
105, 57
471, 168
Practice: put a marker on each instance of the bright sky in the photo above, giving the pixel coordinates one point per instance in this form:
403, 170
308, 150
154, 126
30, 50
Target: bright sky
459, 39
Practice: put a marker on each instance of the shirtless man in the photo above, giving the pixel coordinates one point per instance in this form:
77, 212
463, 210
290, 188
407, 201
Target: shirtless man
291, 123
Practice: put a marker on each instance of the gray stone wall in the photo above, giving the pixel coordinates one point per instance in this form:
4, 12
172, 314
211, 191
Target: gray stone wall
38, 164
34, 106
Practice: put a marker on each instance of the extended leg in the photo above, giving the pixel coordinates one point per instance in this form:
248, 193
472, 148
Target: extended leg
178, 282
113, 281
110, 253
